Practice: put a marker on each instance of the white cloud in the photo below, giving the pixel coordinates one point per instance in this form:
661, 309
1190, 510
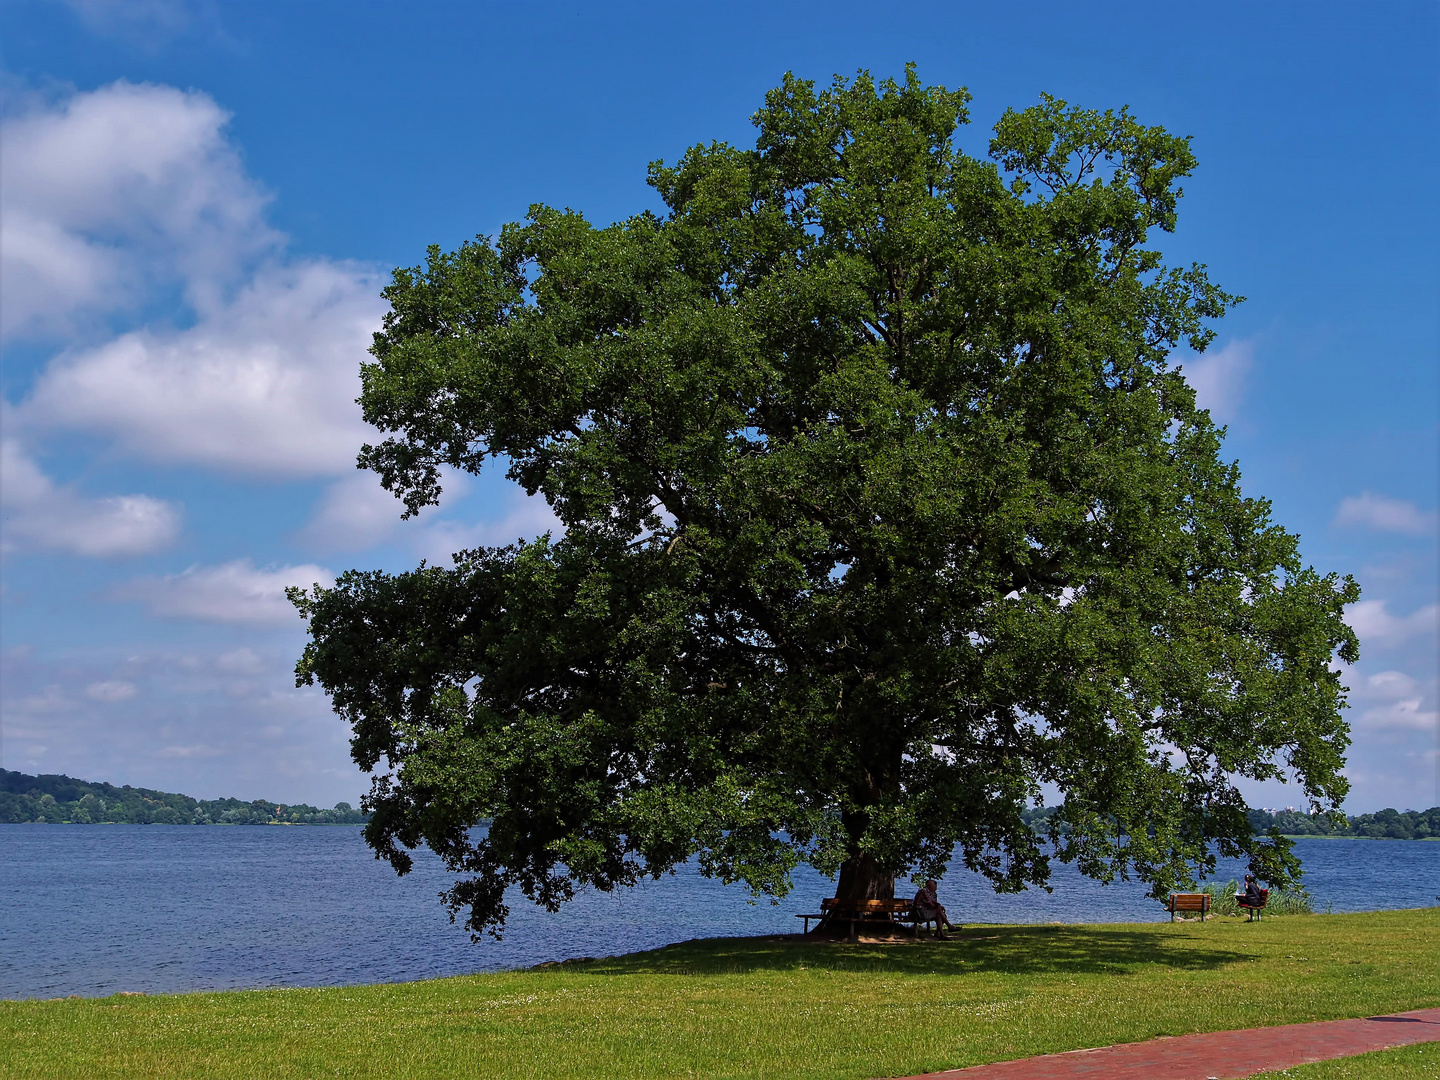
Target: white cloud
1218, 379
1384, 514
187, 730
48, 701
233, 592
40, 514
136, 20
201, 751
527, 518
265, 383
118, 198
1390, 684
242, 661
1406, 713
111, 193
1374, 624
355, 513
1401, 703
110, 691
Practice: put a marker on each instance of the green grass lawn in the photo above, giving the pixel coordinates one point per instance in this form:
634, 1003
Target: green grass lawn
770, 1007
1420, 1062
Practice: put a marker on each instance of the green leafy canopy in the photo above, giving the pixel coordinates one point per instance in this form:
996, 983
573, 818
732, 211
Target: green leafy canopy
882, 508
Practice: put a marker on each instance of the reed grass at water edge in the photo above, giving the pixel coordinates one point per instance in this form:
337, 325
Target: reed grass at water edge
1223, 900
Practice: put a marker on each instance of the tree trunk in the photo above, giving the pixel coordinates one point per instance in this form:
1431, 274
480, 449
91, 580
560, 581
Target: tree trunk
861, 879
860, 876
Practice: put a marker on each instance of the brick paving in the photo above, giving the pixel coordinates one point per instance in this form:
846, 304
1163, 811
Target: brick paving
1217, 1055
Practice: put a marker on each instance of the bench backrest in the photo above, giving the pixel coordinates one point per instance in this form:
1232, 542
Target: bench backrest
869, 906
1190, 901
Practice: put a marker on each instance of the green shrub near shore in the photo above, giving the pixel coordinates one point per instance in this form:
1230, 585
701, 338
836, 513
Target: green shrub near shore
764, 1007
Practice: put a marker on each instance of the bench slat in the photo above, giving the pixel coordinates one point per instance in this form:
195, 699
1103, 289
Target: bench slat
864, 905
855, 911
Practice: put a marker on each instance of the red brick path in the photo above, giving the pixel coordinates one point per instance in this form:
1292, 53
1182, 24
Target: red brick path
1219, 1054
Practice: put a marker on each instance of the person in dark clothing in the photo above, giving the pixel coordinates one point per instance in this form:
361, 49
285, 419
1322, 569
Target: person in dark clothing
1252, 896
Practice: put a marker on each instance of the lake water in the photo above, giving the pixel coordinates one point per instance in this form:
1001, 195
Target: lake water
94, 909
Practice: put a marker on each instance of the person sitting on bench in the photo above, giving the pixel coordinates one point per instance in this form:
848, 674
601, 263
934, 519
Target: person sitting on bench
1251, 897
928, 909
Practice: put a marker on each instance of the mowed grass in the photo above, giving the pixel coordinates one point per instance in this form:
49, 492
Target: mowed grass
766, 1007
1421, 1062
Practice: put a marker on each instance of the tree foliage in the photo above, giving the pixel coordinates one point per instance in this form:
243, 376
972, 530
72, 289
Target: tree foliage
882, 505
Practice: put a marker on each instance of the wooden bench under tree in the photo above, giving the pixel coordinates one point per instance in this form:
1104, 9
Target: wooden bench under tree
856, 912
1189, 901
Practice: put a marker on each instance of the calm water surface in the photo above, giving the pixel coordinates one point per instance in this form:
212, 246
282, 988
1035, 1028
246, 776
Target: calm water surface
92, 909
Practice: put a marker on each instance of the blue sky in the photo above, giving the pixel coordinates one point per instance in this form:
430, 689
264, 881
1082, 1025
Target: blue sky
202, 200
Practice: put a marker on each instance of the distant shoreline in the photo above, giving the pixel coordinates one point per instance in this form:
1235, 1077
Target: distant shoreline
361, 824
1396, 839
212, 824
56, 799
1387, 824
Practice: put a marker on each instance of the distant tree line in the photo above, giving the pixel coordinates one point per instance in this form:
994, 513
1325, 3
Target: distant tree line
1381, 825
57, 799
54, 800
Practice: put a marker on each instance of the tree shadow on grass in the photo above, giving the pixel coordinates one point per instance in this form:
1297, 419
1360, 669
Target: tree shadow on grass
1017, 950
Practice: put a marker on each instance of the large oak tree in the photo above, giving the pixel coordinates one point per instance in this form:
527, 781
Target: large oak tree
884, 512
